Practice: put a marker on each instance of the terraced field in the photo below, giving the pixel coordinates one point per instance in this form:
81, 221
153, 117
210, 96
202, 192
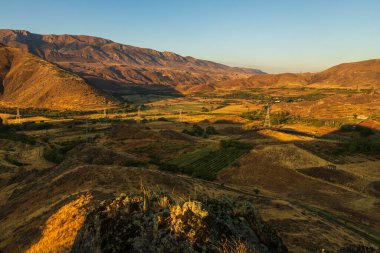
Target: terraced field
205, 163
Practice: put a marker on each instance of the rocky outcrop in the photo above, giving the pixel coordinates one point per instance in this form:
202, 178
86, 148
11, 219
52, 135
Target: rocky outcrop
151, 222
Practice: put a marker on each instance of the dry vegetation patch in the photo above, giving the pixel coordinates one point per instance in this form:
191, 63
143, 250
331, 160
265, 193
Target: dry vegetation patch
61, 228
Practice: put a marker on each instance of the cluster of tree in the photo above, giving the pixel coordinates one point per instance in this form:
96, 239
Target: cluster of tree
307, 97
9, 132
363, 131
199, 131
363, 145
244, 95
28, 112
26, 126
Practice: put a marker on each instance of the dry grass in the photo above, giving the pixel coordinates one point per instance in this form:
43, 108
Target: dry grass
322, 130
284, 136
273, 168
234, 245
61, 228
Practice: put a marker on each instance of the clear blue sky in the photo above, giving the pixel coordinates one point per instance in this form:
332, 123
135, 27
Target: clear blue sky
274, 35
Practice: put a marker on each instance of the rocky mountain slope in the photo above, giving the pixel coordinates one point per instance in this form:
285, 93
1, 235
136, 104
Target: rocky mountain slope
363, 74
28, 81
100, 59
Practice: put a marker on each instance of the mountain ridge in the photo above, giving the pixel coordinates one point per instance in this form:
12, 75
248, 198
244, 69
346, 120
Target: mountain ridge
94, 57
354, 75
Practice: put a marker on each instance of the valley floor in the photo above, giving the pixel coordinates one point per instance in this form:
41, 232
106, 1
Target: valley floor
315, 182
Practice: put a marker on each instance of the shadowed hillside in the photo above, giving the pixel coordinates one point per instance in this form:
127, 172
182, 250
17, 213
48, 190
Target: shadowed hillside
28, 81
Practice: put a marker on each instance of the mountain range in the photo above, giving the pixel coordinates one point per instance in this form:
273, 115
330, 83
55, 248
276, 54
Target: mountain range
49, 70
362, 74
94, 57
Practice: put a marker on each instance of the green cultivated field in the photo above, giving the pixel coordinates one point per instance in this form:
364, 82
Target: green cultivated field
205, 163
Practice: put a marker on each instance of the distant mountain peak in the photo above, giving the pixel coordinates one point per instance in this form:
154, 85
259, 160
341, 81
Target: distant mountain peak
362, 74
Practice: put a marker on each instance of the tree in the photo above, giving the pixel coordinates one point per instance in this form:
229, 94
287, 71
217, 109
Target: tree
197, 130
1, 125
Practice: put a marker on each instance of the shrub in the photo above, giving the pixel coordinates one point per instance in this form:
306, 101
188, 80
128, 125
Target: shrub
210, 130
169, 167
132, 163
195, 131
154, 159
54, 155
204, 109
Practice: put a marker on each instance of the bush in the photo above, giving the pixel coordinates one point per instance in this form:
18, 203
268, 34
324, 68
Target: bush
132, 163
204, 109
54, 155
154, 159
210, 130
169, 167
195, 131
